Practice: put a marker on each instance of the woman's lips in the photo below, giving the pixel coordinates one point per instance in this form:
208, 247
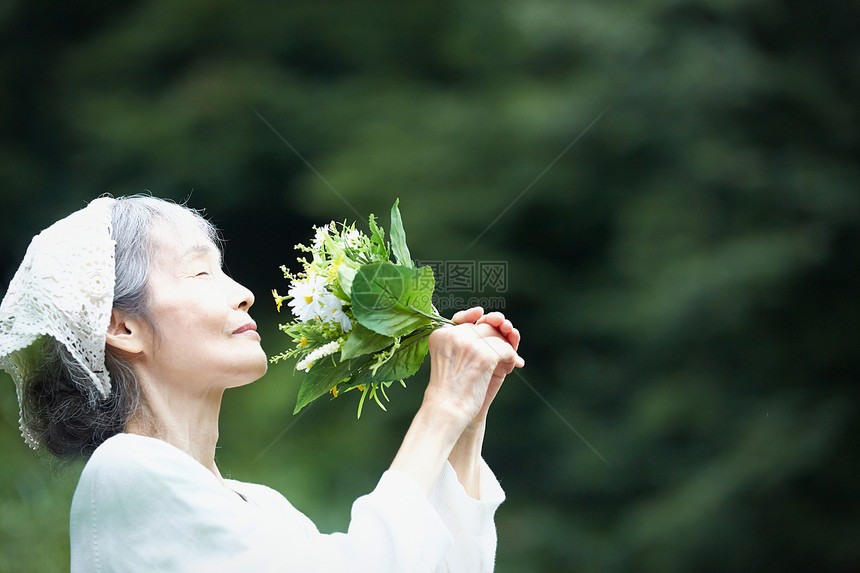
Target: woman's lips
251, 326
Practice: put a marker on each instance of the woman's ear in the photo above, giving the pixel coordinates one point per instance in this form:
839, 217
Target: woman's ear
126, 333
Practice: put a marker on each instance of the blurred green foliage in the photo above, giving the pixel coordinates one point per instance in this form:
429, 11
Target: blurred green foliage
684, 273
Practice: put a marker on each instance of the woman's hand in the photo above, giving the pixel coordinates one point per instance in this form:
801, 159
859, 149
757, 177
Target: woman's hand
465, 456
469, 362
506, 329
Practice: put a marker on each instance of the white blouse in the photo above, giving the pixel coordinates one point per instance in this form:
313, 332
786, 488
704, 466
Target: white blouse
143, 505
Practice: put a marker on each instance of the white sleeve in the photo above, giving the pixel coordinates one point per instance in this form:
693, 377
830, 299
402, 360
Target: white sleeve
469, 520
392, 529
141, 506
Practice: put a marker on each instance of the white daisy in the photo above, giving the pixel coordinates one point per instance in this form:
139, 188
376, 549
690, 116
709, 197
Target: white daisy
352, 238
306, 297
320, 234
332, 311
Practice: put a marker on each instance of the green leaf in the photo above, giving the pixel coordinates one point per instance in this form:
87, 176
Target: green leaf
362, 340
325, 375
393, 300
345, 276
377, 239
405, 362
398, 238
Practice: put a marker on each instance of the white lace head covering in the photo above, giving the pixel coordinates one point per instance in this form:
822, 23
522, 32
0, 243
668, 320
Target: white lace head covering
63, 289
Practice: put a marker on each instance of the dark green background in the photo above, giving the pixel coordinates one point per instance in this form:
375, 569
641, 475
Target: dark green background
685, 276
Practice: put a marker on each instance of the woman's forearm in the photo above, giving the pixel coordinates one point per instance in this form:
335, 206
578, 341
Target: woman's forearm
428, 442
468, 364
465, 458
426, 446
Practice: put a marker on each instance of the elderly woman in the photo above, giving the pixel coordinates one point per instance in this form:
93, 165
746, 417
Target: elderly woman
122, 331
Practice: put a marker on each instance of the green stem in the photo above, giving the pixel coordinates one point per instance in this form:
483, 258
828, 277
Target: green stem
375, 396
361, 402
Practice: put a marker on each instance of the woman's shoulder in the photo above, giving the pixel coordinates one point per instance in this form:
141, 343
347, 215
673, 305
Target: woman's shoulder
134, 465
131, 481
261, 495
136, 453
130, 446
143, 502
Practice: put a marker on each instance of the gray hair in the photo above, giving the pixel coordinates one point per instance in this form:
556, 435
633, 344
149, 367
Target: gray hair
62, 415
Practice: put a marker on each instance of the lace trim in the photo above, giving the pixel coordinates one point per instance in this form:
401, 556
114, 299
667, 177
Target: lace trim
63, 289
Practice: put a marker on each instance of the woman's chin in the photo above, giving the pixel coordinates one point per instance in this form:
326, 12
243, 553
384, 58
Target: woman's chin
253, 372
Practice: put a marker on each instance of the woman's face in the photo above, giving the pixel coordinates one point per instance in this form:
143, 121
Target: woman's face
205, 336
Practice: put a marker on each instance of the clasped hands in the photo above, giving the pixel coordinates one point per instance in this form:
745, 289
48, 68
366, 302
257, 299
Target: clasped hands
469, 362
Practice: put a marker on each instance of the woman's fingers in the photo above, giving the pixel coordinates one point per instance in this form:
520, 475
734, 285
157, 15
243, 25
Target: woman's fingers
514, 338
495, 318
469, 315
469, 364
487, 332
510, 333
503, 325
499, 324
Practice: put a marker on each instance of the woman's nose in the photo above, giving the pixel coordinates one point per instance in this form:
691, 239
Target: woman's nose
244, 296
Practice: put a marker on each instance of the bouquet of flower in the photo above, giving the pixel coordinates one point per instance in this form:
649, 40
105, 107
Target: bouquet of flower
361, 320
